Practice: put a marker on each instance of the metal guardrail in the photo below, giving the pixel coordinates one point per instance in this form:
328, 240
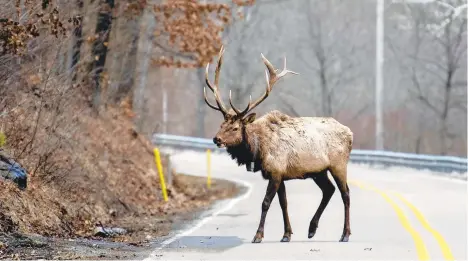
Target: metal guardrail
446, 164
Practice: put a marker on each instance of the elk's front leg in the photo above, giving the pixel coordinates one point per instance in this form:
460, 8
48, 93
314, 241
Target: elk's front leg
272, 188
284, 208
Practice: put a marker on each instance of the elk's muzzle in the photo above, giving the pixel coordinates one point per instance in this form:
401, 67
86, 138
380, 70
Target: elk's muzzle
218, 142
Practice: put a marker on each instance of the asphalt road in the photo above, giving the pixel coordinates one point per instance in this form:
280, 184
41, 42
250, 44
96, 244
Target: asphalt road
397, 214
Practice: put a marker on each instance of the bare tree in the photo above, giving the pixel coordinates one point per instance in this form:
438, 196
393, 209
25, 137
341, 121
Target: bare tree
103, 29
239, 81
436, 66
77, 39
327, 55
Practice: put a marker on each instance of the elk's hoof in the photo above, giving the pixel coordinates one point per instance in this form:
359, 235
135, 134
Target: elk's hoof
257, 239
312, 229
286, 239
344, 239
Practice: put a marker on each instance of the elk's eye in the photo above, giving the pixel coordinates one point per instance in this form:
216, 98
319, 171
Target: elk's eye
235, 128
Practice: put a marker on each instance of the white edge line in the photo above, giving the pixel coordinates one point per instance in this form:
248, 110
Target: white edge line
227, 207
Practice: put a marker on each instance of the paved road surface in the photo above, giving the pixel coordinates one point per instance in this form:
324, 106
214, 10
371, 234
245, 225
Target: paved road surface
395, 215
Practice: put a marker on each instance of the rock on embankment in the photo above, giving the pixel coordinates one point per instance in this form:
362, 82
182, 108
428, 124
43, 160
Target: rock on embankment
11, 170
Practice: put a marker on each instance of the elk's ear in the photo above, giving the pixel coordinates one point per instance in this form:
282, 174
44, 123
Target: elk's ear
249, 118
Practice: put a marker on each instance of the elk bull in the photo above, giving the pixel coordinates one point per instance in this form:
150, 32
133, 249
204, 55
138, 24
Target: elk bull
285, 148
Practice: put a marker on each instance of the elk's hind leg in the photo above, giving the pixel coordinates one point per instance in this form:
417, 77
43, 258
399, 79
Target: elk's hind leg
340, 176
284, 208
327, 187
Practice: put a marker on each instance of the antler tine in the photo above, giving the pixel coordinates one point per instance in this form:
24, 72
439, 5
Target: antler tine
206, 77
272, 71
214, 88
285, 70
268, 65
271, 77
208, 103
218, 67
238, 112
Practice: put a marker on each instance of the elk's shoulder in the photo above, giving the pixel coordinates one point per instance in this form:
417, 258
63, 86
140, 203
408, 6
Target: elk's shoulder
274, 121
276, 117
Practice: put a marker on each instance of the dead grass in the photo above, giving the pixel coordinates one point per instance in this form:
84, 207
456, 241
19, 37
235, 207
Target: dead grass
191, 198
104, 173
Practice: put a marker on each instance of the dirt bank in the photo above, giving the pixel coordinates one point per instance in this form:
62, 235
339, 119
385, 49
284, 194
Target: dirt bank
87, 170
145, 232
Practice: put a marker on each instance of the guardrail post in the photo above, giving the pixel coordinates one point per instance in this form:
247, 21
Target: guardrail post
169, 172
208, 168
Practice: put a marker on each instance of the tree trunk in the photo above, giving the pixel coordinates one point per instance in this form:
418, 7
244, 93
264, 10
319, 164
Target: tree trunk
146, 39
326, 95
103, 28
128, 66
78, 40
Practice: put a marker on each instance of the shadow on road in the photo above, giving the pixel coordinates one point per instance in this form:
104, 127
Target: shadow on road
216, 243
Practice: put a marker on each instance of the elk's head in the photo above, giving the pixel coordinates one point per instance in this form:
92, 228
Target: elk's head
231, 130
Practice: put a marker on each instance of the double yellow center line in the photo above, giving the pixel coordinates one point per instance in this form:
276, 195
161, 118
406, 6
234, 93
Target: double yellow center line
421, 249
438, 237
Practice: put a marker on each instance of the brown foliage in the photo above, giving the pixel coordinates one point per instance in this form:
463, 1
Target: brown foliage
134, 8
14, 36
190, 31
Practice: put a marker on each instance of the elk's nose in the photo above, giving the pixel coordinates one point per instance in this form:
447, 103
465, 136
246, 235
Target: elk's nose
216, 140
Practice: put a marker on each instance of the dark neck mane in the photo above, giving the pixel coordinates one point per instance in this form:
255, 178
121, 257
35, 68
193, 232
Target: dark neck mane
243, 153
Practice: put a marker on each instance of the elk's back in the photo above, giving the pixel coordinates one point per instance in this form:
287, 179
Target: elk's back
302, 145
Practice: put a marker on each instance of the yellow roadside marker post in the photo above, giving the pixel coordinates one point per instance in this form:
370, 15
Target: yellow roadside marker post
157, 158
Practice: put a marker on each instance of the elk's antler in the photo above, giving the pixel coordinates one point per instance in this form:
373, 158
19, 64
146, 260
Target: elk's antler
272, 77
214, 88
